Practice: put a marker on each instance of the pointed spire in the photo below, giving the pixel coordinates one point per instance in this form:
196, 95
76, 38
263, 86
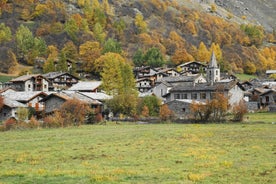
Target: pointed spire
213, 61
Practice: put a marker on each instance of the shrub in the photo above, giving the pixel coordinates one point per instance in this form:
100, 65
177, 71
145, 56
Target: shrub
165, 113
33, 123
239, 110
53, 121
10, 124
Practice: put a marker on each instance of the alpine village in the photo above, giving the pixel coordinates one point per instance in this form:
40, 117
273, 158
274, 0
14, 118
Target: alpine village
137, 91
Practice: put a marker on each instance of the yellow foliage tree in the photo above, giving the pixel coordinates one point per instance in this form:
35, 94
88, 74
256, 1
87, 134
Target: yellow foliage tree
140, 23
89, 52
203, 54
216, 49
191, 27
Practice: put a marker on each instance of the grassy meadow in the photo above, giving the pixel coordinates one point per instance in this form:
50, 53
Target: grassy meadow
147, 153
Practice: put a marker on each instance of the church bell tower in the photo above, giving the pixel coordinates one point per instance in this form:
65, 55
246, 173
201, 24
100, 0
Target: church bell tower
213, 71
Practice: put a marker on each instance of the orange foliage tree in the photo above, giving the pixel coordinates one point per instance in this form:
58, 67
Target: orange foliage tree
214, 109
239, 110
181, 56
74, 111
165, 113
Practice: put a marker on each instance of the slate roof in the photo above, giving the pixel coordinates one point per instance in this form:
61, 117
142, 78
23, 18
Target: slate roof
187, 63
204, 87
22, 96
173, 79
24, 78
13, 103
97, 96
85, 86
268, 91
53, 75
68, 95
81, 97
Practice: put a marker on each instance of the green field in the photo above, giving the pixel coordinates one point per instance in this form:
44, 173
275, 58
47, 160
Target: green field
149, 153
4, 78
246, 77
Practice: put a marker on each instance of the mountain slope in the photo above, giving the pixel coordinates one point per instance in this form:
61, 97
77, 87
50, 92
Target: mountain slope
179, 29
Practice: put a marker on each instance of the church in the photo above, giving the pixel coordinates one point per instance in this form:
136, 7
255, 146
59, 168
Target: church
181, 96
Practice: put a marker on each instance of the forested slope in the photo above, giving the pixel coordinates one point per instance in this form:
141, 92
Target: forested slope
46, 33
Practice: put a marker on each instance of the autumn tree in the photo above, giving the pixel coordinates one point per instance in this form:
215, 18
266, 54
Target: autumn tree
89, 52
165, 113
217, 50
5, 33
119, 26
214, 109
249, 68
99, 33
118, 80
72, 29
152, 103
255, 33
203, 54
145, 112
181, 56
49, 65
73, 112
239, 110
140, 23
22, 114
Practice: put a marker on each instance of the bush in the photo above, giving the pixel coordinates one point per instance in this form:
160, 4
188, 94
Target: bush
53, 121
165, 113
10, 124
33, 123
239, 110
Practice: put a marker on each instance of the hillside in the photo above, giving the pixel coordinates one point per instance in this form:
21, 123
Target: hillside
262, 12
47, 32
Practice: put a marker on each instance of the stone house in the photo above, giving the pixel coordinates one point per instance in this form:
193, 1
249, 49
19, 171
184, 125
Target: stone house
54, 101
193, 67
205, 91
163, 86
30, 99
268, 99
9, 110
35, 82
60, 80
181, 107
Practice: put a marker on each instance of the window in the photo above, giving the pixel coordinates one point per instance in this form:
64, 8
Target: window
266, 98
184, 110
161, 92
184, 96
176, 96
216, 72
202, 95
194, 95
